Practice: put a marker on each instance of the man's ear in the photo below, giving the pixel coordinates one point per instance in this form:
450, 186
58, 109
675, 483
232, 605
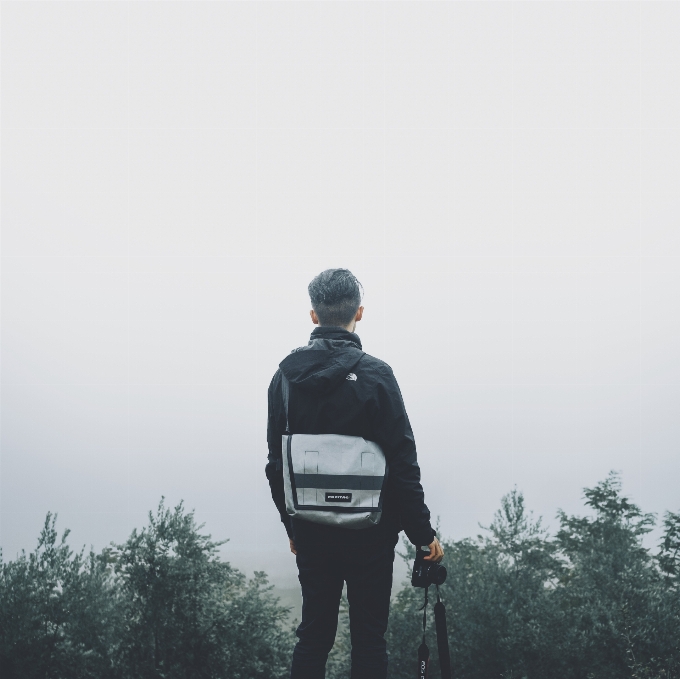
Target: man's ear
314, 317
360, 313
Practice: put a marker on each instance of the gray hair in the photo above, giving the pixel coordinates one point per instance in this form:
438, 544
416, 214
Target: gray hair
336, 296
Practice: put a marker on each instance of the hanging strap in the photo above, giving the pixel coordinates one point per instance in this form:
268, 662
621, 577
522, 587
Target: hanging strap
442, 640
285, 390
423, 650
423, 660
424, 610
442, 637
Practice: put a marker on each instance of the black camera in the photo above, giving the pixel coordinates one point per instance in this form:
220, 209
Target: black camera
426, 573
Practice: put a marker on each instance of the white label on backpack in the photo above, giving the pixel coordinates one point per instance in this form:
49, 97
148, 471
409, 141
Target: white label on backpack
338, 497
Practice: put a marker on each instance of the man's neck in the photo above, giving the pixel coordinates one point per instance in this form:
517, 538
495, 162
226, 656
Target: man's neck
349, 328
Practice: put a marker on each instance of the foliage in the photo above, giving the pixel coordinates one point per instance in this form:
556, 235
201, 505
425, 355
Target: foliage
669, 556
162, 605
608, 585
590, 602
58, 612
187, 614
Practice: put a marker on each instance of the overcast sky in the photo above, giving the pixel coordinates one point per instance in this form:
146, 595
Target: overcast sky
503, 178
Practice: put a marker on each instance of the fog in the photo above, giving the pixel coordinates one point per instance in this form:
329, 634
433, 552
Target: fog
503, 178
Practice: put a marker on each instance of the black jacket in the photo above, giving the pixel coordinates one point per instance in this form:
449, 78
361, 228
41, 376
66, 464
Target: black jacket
336, 388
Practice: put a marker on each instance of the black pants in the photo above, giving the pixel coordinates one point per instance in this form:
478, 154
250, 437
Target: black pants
326, 559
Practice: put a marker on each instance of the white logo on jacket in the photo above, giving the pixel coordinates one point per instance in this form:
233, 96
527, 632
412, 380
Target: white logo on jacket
351, 377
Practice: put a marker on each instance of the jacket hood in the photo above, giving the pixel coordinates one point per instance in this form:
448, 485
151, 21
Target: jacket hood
325, 362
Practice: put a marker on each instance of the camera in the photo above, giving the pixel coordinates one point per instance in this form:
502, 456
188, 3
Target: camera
426, 573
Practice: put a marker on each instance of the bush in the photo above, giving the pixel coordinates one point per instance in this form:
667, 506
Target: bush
160, 605
590, 602
59, 612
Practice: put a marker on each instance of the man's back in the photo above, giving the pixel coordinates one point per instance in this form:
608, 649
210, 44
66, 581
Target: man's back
336, 388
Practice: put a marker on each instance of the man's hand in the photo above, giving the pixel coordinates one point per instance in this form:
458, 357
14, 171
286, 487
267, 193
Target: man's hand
436, 552
292, 546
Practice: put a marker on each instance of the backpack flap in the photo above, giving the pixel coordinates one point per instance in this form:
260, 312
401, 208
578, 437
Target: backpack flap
333, 479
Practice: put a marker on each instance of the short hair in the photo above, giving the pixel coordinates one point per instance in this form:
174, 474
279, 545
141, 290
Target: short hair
336, 296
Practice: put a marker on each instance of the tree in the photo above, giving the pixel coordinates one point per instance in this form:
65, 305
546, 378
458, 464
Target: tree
607, 584
669, 554
665, 662
590, 603
58, 612
161, 605
496, 598
189, 615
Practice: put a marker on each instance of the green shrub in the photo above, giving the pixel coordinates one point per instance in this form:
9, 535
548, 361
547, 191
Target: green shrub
161, 605
590, 602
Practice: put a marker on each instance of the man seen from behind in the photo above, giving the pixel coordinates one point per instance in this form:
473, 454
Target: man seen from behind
332, 387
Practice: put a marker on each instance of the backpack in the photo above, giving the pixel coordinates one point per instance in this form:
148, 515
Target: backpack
332, 479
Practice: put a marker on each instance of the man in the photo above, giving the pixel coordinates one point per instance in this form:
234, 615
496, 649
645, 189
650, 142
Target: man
335, 388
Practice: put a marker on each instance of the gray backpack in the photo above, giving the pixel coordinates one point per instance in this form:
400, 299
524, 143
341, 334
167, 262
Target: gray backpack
332, 479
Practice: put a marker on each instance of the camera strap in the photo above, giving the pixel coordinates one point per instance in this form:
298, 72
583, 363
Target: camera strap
442, 640
423, 650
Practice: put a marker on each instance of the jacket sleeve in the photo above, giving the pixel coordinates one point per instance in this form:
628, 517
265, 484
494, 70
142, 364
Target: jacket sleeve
274, 466
394, 435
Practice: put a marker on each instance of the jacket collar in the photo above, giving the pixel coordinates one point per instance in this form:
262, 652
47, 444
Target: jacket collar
334, 333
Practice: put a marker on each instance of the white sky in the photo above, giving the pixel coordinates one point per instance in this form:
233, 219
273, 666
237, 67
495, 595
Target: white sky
503, 178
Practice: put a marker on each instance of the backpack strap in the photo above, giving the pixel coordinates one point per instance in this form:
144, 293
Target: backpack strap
285, 390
